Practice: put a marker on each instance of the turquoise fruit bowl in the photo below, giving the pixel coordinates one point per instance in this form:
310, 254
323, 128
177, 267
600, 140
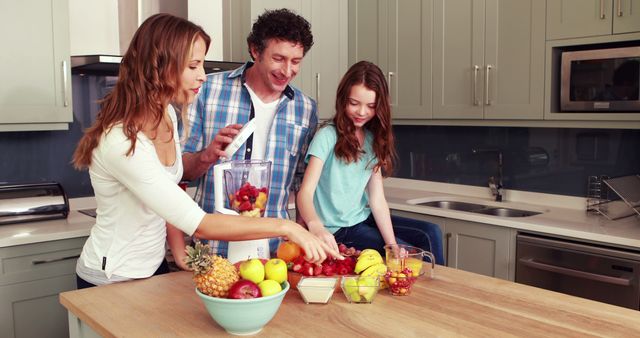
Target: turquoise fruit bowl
243, 316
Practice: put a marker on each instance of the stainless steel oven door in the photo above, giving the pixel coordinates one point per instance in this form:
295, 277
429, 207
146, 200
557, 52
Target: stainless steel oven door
595, 272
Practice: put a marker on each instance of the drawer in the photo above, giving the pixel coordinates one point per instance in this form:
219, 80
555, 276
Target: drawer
36, 261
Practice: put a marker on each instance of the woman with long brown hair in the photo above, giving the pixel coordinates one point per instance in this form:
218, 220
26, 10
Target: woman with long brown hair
133, 156
341, 198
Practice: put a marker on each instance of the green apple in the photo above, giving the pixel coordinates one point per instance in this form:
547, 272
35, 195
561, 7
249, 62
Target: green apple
252, 270
351, 289
269, 287
367, 287
276, 269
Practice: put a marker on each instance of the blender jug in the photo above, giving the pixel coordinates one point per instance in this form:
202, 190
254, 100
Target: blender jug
242, 188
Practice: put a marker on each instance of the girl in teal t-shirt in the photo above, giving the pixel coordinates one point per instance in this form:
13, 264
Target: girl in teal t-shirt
341, 198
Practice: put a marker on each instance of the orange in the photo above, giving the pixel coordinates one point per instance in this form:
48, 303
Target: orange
288, 251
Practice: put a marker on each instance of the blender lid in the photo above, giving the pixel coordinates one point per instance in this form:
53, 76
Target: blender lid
241, 138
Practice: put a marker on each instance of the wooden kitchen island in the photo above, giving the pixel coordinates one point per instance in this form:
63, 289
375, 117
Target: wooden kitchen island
454, 303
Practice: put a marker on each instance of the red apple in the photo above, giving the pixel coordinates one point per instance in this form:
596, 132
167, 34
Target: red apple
244, 289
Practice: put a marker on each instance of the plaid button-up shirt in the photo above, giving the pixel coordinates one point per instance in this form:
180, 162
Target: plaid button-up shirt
224, 100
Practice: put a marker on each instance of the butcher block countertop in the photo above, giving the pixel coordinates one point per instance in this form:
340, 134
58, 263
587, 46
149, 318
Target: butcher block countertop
454, 303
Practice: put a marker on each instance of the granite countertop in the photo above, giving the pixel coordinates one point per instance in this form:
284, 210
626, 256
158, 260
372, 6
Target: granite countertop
560, 215
75, 225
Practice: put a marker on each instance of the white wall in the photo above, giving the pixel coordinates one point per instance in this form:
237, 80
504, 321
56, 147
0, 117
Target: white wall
208, 14
96, 27
93, 27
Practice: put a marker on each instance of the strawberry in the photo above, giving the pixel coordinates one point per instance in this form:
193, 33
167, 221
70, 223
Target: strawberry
307, 269
327, 270
317, 270
342, 270
342, 248
245, 206
296, 267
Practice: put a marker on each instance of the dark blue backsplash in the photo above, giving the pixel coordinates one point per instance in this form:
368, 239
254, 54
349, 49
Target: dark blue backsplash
549, 160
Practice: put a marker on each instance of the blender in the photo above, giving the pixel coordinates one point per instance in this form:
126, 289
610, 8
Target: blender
241, 187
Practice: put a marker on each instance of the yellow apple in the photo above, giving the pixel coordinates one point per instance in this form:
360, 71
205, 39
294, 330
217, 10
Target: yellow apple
269, 287
276, 269
252, 270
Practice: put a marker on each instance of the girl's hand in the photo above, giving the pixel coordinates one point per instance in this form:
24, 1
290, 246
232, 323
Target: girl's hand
316, 251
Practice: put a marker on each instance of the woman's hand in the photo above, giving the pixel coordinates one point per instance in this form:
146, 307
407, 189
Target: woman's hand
315, 249
179, 261
325, 236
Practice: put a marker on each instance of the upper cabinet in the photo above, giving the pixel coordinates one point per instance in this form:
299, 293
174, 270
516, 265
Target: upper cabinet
396, 35
488, 58
35, 91
585, 18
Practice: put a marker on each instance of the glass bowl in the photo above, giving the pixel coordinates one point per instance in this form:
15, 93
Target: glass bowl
360, 289
317, 289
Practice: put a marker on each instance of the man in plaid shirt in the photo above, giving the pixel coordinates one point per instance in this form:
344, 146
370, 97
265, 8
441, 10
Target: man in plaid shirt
286, 118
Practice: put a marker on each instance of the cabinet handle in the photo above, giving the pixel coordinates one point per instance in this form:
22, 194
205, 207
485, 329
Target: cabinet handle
65, 83
602, 9
487, 87
318, 89
476, 69
389, 76
446, 256
619, 7
44, 261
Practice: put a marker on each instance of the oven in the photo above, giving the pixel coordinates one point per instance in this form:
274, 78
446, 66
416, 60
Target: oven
597, 272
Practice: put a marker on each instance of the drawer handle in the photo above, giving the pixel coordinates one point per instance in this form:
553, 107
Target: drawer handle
45, 261
530, 262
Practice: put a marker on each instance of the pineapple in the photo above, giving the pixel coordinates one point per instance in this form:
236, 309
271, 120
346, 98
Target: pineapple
212, 274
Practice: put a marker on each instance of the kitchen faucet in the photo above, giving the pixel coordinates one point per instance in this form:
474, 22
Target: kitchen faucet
495, 183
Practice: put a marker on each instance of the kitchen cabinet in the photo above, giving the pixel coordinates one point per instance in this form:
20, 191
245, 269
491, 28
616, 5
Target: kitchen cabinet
396, 35
476, 247
31, 278
35, 91
481, 248
488, 58
580, 18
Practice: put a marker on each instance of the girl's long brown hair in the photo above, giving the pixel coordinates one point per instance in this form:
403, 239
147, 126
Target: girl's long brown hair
148, 79
347, 147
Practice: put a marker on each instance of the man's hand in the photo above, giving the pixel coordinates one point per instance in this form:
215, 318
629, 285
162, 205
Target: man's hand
196, 164
216, 148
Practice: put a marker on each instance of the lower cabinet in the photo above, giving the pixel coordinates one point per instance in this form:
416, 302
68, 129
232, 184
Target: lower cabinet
32, 309
31, 278
481, 248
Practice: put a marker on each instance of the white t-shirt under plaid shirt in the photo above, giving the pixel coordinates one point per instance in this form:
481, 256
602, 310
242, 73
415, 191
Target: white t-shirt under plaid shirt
224, 100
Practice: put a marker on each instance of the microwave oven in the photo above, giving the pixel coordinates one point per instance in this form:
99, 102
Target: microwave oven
600, 80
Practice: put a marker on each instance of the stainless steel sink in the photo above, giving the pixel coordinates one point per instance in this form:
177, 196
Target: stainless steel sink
479, 208
454, 205
506, 212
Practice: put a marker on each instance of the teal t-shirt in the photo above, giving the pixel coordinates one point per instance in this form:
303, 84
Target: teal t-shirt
340, 198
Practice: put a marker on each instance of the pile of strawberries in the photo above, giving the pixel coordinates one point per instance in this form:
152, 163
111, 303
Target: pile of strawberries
248, 198
330, 266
